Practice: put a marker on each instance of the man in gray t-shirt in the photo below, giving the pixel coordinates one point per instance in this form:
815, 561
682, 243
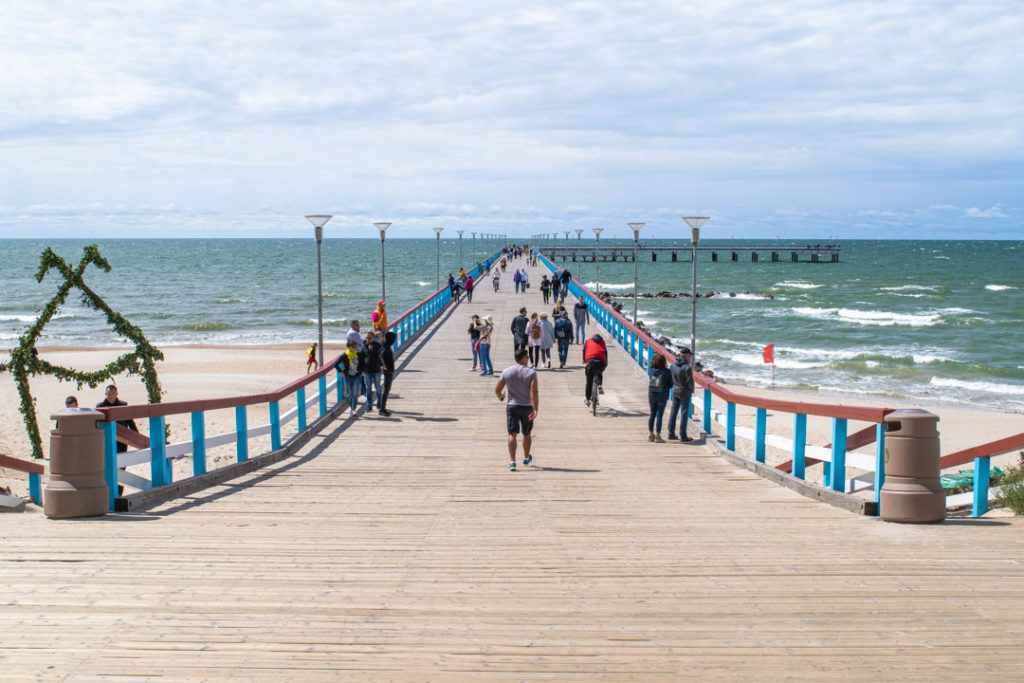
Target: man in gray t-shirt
523, 403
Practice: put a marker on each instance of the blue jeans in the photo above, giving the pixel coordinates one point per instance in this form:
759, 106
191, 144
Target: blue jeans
657, 403
354, 387
581, 333
563, 351
678, 404
371, 380
476, 354
485, 359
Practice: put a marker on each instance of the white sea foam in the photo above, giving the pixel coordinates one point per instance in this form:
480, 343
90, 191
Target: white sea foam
592, 286
17, 318
421, 283
908, 288
877, 318
780, 362
999, 288
795, 284
924, 359
910, 296
986, 387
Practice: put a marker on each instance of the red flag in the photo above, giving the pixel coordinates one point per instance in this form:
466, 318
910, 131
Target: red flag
769, 354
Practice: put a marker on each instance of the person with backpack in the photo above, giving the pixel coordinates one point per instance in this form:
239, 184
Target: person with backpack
563, 335
534, 339
659, 386
682, 393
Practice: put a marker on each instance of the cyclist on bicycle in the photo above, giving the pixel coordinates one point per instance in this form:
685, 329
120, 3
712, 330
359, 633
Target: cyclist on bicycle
595, 356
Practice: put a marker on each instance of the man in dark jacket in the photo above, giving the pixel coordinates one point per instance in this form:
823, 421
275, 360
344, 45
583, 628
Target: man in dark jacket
111, 400
388, 363
682, 392
566, 278
563, 335
519, 330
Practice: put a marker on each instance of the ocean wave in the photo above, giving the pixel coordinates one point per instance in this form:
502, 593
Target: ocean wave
17, 318
985, 387
877, 318
593, 285
999, 288
909, 288
756, 359
421, 283
229, 300
796, 284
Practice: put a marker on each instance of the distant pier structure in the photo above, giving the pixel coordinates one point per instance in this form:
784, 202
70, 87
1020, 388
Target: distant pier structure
810, 253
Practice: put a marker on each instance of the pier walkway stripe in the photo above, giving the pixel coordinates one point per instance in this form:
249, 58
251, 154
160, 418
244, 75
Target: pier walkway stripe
402, 548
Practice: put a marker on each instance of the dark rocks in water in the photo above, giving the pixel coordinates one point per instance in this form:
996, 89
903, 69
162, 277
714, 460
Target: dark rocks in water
665, 295
732, 294
640, 325
665, 341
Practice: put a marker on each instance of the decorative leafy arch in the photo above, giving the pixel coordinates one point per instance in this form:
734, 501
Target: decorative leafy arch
25, 363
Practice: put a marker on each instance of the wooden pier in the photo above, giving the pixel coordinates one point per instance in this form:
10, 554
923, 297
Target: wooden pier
402, 548
828, 253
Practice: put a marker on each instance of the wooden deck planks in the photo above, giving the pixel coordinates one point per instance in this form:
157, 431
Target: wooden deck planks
403, 549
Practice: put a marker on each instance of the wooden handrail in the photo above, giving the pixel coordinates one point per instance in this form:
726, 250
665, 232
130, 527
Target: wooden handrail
21, 465
985, 450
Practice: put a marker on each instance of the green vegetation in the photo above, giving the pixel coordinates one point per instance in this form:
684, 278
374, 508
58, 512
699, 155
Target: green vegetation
1012, 487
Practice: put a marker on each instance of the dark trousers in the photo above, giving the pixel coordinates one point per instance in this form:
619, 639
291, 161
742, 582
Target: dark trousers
595, 369
563, 351
679, 404
657, 403
534, 355
386, 391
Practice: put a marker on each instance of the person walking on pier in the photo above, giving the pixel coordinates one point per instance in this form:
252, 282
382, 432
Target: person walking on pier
351, 364
565, 278
496, 279
388, 366
534, 336
581, 316
517, 279
524, 281
523, 404
545, 289
595, 357
682, 393
563, 335
474, 338
519, 324
469, 289
372, 368
547, 340
556, 286
486, 368
659, 386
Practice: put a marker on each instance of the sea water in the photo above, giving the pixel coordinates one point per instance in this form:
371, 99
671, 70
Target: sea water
927, 321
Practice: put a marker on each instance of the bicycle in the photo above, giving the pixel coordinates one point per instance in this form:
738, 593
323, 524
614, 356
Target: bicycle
594, 393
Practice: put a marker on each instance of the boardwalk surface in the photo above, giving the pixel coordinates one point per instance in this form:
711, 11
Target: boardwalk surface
403, 548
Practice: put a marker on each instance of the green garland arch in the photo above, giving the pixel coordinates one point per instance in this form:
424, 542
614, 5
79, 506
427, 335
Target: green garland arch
24, 363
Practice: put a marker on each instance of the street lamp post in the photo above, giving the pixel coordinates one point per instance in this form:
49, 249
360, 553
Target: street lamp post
318, 222
460, 248
382, 226
695, 222
437, 231
635, 227
597, 264
473, 252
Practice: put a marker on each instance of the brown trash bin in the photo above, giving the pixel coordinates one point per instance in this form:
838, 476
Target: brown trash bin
76, 486
912, 491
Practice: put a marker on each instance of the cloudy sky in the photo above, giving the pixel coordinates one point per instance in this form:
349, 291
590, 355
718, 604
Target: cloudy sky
799, 118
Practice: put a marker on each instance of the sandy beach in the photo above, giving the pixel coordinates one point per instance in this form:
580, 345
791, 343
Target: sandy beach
193, 372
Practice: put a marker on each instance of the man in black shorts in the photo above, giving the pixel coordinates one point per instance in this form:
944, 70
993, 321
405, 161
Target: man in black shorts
523, 403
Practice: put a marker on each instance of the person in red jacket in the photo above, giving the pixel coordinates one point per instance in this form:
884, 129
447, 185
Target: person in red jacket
595, 357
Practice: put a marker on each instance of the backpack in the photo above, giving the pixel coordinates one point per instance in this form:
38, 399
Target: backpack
560, 330
535, 331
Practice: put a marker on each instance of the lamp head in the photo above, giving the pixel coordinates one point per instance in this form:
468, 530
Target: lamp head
579, 232
382, 227
597, 233
635, 227
438, 231
695, 222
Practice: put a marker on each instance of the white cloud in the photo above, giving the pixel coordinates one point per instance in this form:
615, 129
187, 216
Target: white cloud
562, 112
